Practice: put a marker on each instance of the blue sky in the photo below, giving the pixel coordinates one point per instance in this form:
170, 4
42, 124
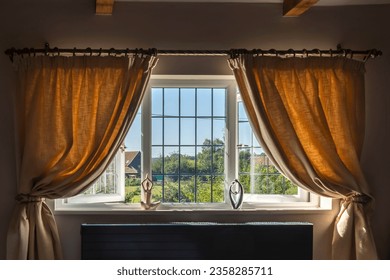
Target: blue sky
193, 102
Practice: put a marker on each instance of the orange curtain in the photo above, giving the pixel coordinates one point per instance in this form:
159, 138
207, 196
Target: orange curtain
72, 115
308, 114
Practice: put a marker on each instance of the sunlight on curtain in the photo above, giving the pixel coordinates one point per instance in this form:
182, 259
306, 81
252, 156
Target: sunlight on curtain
73, 114
308, 114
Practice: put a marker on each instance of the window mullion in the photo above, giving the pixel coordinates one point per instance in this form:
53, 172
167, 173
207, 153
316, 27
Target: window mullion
146, 137
231, 158
196, 147
212, 147
252, 166
179, 149
163, 146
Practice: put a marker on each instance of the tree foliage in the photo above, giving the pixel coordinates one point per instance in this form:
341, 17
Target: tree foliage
184, 178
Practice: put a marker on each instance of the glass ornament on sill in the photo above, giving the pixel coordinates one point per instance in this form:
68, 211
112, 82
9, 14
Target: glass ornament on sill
236, 194
146, 200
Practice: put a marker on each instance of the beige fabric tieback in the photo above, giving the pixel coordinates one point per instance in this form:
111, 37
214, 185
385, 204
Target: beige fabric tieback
358, 198
26, 198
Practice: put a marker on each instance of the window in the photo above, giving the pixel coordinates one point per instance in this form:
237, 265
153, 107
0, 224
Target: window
261, 180
255, 171
193, 138
108, 187
188, 143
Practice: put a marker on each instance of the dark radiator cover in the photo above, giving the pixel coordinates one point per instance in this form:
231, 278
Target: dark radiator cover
204, 241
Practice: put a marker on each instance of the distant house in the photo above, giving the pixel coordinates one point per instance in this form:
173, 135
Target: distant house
132, 164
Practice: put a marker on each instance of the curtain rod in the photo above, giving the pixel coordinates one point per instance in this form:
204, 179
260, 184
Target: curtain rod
364, 54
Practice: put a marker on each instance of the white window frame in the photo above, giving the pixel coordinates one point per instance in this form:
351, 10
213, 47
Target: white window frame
302, 201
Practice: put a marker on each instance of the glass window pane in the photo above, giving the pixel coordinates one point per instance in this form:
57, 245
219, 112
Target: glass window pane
171, 188
245, 134
157, 187
133, 137
187, 160
272, 169
219, 131
261, 184
218, 160
245, 180
187, 131
157, 160
171, 101
204, 101
241, 112
277, 184
255, 142
157, 131
203, 159
187, 102
244, 160
188, 144
157, 98
203, 131
171, 160
187, 189
218, 188
203, 188
260, 161
219, 102
171, 131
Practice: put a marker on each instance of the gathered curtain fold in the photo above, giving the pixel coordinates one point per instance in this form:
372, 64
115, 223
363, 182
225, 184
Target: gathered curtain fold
72, 115
308, 114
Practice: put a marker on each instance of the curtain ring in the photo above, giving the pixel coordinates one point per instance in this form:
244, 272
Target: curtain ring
24, 51
350, 52
47, 49
232, 53
260, 52
255, 52
31, 52
141, 52
89, 50
273, 52
317, 51
57, 51
152, 52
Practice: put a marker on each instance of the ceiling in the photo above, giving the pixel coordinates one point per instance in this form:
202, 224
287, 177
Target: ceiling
290, 8
320, 2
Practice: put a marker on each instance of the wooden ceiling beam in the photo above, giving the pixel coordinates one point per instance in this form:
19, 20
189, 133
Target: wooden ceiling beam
294, 8
104, 7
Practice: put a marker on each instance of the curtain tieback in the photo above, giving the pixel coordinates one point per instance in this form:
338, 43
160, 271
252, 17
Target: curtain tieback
26, 198
359, 198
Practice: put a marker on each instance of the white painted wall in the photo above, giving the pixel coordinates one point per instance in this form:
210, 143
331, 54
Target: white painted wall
71, 23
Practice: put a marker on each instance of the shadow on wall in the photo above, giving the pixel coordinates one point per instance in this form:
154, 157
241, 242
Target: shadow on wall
7, 148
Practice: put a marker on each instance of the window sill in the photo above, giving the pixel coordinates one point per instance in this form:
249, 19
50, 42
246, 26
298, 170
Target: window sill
324, 204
